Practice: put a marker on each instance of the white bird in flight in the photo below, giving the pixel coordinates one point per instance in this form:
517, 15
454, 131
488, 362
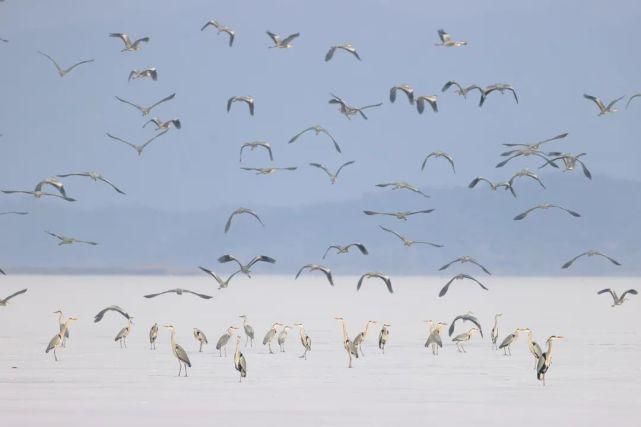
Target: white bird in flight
129, 46
221, 29
317, 130
603, 109
64, 240
279, 43
332, 176
95, 176
139, 148
146, 110
64, 71
347, 47
446, 40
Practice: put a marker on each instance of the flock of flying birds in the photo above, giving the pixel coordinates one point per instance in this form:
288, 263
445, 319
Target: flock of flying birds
54, 187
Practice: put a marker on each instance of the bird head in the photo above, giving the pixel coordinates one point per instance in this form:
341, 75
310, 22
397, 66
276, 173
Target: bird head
299, 325
170, 327
57, 312
339, 318
72, 319
243, 316
555, 337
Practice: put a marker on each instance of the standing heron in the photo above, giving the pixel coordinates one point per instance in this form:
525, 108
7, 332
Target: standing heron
534, 348
349, 346
617, 300
153, 336
464, 337
201, 338
305, 340
178, 351
239, 361
509, 340
359, 340
224, 339
269, 336
249, 331
494, 333
546, 359
56, 341
121, 337
383, 336
62, 326
434, 339
282, 337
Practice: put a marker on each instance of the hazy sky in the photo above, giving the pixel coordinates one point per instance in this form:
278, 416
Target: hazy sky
552, 52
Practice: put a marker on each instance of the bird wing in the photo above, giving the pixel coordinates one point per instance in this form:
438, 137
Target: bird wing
72, 174
2, 272
612, 260
328, 274
203, 296
295, 137
52, 61
370, 106
391, 231
106, 181
261, 258
423, 242
330, 53
478, 179
447, 265
360, 282
443, 36
318, 165
360, 247
161, 293
167, 98
570, 262
447, 86
76, 64
274, 37
450, 331
327, 250
611, 104
182, 355
289, 38
631, 98
212, 274
629, 291
445, 288
227, 258
86, 242
420, 212
511, 89
130, 103
58, 236
336, 146
208, 23
149, 141
122, 140
308, 266
98, 317
574, 214
15, 294
612, 293
343, 165
524, 214
596, 100
473, 261
586, 172
475, 321
124, 37
467, 276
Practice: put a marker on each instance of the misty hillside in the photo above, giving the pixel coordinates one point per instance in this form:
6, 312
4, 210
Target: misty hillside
476, 222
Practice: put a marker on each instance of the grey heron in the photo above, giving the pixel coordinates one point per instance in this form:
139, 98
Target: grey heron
383, 336
201, 338
545, 206
493, 186
535, 349
347, 47
525, 173
279, 43
498, 87
56, 341
52, 182
617, 300
360, 338
401, 215
546, 359
139, 148
246, 99
345, 249
64, 71
409, 242
146, 110
245, 268
460, 90
240, 364
269, 171
5, 301
95, 176
430, 99
98, 317
349, 346
221, 29
305, 340
269, 336
406, 89
241, 211
569, 162
446, 40
533, 147
282, 337
224, 339
178, 351
603, 109
385, 278
179, 291
436, 155
434, 339
122, 335
507, 342
61, 325
317, 129
463, 260
332, 176
590, 254
467, 317
462, 338
249, 331
64, 240
221, 283
348, 110
315, 267
459, 277
160, 125
494, 333
129, 46
153, 336
39, 194
402, 185
255, 144
524, 152
143, 73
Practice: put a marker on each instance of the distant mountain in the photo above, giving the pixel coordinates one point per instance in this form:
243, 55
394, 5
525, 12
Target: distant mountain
476, 222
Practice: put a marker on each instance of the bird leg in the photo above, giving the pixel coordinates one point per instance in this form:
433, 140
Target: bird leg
225, 351
270, 347
246, 340
200, 350
220, 352
180, 367
54, 354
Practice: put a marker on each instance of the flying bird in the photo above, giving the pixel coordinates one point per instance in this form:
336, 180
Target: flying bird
493, 186
498, 87
430, 99
95, 176
406, 89
52, 182
39, 194
446, 40
401, 185
463, 260
139, 148
255, 144
543, 207
129, 46
408, 242
525, 173
245, 269
5, 301
221, 29
179, 292
386, 279
531, 148
246, 99
468, 317
64, 71
269, 171
399, 215
460, 90
98, 317
436, 155
146, 110
279, 43
240, 211
569, 162
459, 277
64, 240
617, 300
603, 109
317, 130
332, 176
590, 254
345, 249
221, 283
145, 73
316, 267
347, 47
348, 110
160, 125
636, 95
